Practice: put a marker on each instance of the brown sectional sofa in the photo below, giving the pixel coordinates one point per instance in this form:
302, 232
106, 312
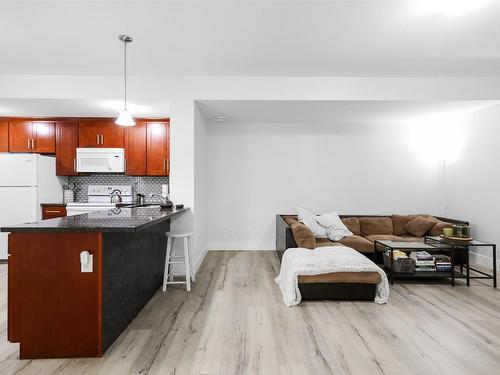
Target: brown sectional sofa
365, 228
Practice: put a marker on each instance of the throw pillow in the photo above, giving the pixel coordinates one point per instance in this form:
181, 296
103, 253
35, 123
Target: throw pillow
419, 226
303, 236
335, 228
437, 229
310, 220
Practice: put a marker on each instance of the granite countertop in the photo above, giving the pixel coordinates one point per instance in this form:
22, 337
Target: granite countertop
52, 204
117, 220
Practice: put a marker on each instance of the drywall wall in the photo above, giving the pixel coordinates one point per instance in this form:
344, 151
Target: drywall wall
201, 196
259, 170
473, 182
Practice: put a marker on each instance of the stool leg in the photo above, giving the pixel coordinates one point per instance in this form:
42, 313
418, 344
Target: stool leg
186, 260
167, 261
172, 254
193, 275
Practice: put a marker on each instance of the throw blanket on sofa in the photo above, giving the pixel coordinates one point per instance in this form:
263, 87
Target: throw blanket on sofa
330, 259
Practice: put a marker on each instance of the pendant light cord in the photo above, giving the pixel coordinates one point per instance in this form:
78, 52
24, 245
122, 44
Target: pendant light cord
125, 71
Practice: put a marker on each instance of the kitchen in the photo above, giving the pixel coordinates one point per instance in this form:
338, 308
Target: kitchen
102, 192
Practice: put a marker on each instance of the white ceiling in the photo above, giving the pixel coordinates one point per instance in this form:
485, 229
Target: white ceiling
341, 111
249, 38
80, 108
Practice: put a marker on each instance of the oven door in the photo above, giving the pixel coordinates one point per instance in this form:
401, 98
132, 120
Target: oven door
104, 160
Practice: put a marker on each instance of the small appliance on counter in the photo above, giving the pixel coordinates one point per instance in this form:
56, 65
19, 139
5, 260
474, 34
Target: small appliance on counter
100, 198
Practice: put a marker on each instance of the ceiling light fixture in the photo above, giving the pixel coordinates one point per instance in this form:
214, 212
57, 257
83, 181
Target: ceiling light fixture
125, 118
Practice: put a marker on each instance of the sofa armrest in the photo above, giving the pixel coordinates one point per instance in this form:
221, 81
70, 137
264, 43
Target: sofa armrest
284, 237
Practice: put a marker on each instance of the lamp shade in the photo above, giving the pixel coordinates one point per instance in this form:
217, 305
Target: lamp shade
125, 119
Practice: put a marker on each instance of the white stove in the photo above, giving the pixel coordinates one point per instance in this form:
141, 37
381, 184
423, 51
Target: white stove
99, 199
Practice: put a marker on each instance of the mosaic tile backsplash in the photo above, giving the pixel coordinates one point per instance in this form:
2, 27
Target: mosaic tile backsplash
143, 185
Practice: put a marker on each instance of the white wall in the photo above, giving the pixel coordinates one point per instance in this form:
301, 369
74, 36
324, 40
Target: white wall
473, 180
260, 170
201, 195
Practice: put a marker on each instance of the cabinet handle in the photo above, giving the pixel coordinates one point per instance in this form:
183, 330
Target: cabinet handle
97, 139
29, 143
102, 139
33, 144
74, 165
52, 212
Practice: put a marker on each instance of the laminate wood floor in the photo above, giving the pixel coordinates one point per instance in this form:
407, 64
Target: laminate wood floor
234, 322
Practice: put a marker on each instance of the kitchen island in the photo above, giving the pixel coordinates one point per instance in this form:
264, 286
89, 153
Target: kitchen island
75, 283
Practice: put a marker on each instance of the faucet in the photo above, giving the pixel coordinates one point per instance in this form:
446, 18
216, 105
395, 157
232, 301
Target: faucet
166, 201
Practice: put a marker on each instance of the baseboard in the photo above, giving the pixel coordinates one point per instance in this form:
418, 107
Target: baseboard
482, 260
197, 263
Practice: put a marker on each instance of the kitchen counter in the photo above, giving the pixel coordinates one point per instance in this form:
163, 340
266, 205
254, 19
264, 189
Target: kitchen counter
53, 204
117, 220
75, 283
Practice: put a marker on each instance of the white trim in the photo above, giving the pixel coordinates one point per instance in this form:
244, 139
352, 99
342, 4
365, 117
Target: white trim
197, 263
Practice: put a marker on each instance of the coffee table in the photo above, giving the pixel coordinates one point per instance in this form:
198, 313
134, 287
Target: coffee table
461, 246
407, 247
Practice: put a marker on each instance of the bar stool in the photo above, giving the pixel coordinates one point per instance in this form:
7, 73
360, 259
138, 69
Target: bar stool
170, 259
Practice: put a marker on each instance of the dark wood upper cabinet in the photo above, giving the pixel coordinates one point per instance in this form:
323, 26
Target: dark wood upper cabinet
32, 136
44, 137
135, 150
66, 145
21, 136
101, 134
4, 136
158, 149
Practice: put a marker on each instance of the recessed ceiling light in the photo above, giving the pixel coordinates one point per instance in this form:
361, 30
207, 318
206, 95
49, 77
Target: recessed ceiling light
449, 6
220, 118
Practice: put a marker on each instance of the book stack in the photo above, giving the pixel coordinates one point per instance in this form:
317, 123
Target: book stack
423, 261
443, 263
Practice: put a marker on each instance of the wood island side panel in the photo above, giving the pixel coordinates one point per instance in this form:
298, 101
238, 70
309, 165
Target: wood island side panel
54, 310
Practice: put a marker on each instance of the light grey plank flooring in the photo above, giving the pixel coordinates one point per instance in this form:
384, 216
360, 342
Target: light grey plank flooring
234, 322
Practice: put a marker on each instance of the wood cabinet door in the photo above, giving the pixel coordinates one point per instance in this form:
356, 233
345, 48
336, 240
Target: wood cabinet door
66, 145
4, 136
112, 135
158, 149
101, 134
21, 136
44, 137
135, 150
88, 134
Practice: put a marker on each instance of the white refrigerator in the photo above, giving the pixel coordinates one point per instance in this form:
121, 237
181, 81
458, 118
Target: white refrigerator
26, 180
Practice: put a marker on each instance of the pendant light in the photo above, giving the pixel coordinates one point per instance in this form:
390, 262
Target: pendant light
125, 118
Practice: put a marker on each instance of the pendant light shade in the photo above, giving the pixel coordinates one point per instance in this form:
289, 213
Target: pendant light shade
125, 118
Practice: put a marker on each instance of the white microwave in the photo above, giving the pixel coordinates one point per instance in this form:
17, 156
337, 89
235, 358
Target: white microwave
104, 160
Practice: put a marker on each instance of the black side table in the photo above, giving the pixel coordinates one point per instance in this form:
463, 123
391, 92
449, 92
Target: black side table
464, 246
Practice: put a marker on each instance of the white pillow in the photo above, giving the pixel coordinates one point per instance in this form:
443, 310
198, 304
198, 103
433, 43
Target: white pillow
335, 228
310, 220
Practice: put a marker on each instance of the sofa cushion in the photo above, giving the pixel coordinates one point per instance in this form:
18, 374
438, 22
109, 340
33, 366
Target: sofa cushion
437, 229
399, 222
342, 277
357, 243
311, 220
375, 225
290, 220
352, 223
419, 226
322, 242
303, 236
335, 228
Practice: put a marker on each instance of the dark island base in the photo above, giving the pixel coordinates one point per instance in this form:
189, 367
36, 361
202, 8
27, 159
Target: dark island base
56, 311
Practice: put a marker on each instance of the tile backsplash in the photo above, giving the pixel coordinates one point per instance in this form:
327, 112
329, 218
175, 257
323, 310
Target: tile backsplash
144, 185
